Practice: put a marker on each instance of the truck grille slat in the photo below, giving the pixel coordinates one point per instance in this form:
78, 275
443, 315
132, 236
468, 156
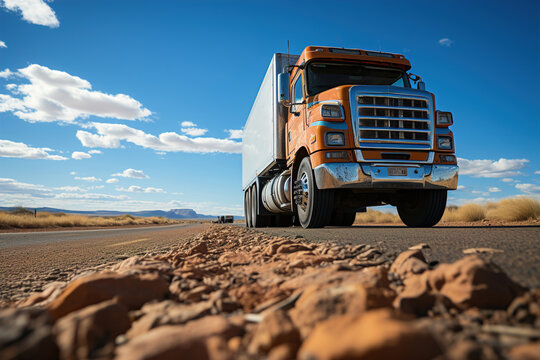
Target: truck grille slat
394, 119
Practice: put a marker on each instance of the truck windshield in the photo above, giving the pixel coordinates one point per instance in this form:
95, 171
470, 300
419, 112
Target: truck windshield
324, 76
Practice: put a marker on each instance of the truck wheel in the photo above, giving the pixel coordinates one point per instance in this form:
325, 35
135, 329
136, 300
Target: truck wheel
314, 206
343, 218
256, 220
423, 208
247, 208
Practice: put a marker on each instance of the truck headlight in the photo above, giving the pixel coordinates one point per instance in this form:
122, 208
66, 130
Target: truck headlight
331, 111
335, 139
445, 143
444, 118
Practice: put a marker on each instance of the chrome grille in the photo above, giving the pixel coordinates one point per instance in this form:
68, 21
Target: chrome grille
394, 120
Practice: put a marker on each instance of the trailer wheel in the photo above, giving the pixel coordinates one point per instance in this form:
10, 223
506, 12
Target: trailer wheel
314, 206
247, 208
256, 220
422, 208
343, 218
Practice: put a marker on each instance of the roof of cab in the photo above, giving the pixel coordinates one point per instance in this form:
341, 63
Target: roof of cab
365, 56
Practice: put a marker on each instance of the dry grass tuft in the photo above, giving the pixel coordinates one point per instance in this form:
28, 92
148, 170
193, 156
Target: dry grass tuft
376, 217
467, 213
512, 209
26, 220
515, 209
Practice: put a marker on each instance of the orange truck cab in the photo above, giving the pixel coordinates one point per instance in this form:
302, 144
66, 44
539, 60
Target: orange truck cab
333, 131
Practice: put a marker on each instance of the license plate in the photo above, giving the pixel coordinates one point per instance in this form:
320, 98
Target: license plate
397, 171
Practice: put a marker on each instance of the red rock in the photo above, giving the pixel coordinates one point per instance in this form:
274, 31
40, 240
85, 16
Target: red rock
137, 264
175, 342
417, 297
473, 281
91, 331
530, 351
130, 290
469, 282
200, 248
49, 293
283, 352
373, 335
168, 314
235, 258
26, 334
409, 262
319, 304
275, 329
290, 248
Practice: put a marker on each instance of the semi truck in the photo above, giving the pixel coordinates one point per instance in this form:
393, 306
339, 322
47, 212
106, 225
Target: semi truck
333, 131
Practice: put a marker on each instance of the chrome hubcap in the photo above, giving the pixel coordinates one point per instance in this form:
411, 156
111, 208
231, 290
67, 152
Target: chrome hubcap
305, 191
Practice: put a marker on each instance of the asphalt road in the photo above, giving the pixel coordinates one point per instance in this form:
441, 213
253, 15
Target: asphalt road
520, 244
30, 260
8, 240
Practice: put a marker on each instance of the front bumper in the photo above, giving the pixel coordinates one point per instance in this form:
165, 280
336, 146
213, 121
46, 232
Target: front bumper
375, 176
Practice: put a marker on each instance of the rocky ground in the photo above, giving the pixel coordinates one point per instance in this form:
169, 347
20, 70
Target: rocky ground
233, 293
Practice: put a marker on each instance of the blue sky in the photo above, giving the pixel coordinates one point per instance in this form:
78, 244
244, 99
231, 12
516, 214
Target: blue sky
133, 104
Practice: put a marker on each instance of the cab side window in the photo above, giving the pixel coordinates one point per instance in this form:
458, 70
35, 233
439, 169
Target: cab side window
298, 96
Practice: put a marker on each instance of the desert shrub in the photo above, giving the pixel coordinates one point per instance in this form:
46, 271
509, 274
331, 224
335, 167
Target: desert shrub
21, 211
515, 209
376, 217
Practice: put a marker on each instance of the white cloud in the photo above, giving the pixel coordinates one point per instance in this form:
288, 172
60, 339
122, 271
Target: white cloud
112, 181
235, 134
446, 42
54, 95
483, 193
6, 73
537, 172
79, 155
2, 44
110, 136
88, 178
194, 131
95, 152
71, 189
491, 168
528, 188
494, 189
34, 11
191, 129
139, 189
73, 173
8, 186
508, 180
8, 103
132, 173
461, 187
13, 149
90, 196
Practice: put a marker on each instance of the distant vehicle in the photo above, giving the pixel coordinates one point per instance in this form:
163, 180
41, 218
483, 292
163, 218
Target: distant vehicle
224, 219
335, 130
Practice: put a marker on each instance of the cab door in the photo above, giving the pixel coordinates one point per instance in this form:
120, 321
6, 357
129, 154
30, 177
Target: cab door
297, 113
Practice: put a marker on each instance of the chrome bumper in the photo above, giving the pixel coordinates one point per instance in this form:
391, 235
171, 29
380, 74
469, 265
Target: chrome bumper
375, 176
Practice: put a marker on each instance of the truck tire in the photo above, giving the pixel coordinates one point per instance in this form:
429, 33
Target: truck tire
256, 220
422, 208
314, 206
343, 218
247, 208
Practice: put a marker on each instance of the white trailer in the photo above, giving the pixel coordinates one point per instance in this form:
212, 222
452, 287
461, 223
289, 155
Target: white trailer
263, 143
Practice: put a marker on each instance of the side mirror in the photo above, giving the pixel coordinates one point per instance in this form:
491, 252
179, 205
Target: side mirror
421, 85
283, 88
